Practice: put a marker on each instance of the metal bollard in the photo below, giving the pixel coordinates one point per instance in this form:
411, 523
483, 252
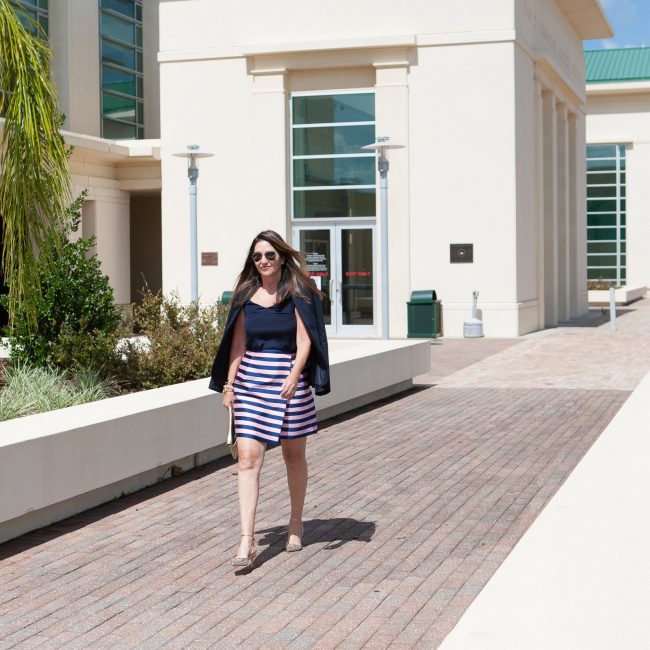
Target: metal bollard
612, 307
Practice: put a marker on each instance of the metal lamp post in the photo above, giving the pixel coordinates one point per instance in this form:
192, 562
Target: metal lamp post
193, 154
381, 146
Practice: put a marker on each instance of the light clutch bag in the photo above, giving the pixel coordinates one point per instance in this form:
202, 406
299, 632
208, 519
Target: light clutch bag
231, 440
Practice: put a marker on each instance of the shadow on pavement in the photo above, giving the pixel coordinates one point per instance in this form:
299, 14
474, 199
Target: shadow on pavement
596, 317
333, 533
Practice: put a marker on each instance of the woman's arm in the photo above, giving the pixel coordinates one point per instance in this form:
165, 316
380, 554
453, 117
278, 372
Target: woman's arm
303, 347
237, 350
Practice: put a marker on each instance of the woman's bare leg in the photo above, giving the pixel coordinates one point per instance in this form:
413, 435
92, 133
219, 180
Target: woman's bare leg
293, 452
251, 458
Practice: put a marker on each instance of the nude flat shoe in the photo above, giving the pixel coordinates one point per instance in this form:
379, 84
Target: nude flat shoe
245, 562
292, 548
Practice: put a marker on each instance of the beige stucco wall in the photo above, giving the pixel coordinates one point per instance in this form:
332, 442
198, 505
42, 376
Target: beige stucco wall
74, 38
460, 85
620, 114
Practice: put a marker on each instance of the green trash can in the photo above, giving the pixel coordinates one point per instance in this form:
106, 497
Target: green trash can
423, 312
226, 297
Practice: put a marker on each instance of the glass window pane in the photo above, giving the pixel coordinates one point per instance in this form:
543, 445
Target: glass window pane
601, 165
126, 7
601, 179
138, 36
118, 80
140, 92
601, 220
327, 109
116, 131
118, 54
608, 275
140, 113
602, 260
117, 28
601, 205
334, 203
596, 234
605, 191
332, 139
601, 247
356, 284
315, 245
122, 108
601, 151
334, 171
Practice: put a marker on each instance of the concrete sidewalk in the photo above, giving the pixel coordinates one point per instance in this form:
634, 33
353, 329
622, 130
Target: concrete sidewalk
413, 505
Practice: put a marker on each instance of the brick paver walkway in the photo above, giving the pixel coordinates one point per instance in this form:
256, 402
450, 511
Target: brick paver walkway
413, 504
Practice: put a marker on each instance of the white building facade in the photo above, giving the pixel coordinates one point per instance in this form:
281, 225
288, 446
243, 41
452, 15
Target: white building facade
488, 101
618, 163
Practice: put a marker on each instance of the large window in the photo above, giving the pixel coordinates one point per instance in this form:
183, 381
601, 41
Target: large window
121, 61
606, 213
332, 176
37, 10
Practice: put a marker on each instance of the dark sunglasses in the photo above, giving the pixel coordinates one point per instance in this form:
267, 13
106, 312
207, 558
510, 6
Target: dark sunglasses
270, 256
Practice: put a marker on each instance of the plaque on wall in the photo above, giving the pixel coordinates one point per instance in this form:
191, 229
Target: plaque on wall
210, 259
461, 253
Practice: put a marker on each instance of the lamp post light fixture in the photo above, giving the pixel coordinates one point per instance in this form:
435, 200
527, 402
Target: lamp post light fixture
381, 146
193, 154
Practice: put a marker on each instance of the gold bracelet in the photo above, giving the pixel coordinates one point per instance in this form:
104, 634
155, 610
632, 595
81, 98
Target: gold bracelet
228, 389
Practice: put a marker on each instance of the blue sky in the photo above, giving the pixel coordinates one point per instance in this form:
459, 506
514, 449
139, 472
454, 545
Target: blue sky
631, 22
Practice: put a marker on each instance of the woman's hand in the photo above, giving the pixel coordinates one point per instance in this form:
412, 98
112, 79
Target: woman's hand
289, 386
229, 399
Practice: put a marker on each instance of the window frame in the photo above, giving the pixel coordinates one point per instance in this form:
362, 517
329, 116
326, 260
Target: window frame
371, 154
619, 275
137, 124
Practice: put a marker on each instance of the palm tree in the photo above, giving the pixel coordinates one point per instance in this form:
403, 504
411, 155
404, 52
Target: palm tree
34, 175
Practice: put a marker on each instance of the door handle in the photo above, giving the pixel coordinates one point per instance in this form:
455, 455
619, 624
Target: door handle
340, 292
331, 288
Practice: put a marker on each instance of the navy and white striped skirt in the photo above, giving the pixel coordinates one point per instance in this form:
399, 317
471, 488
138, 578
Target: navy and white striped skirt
260, 412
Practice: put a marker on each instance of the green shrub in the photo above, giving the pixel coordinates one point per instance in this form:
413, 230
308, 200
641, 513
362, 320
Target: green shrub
177, 341
78, 324
30, 389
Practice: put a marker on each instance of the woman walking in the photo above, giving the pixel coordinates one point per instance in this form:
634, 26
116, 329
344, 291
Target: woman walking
273, 349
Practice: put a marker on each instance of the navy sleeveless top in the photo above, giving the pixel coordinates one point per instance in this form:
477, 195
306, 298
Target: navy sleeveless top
270, 329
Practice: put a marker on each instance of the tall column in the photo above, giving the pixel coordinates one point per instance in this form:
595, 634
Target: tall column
112, 227
269, 152
574, 310
539, 203
563, 211
581, 213
550, 210
392, 119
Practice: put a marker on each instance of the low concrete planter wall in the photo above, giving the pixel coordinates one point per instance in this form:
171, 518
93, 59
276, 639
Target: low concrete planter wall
53, 465
622, 296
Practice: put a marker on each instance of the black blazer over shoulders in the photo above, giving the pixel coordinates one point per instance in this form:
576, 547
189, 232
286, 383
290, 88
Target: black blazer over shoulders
317, 367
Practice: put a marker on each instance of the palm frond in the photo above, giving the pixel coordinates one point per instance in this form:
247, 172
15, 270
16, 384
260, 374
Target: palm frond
34, 176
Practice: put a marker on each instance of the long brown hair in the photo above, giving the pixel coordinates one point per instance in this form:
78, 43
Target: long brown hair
294, 279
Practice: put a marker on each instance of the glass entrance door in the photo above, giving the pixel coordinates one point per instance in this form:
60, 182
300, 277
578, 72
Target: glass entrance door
340, 259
